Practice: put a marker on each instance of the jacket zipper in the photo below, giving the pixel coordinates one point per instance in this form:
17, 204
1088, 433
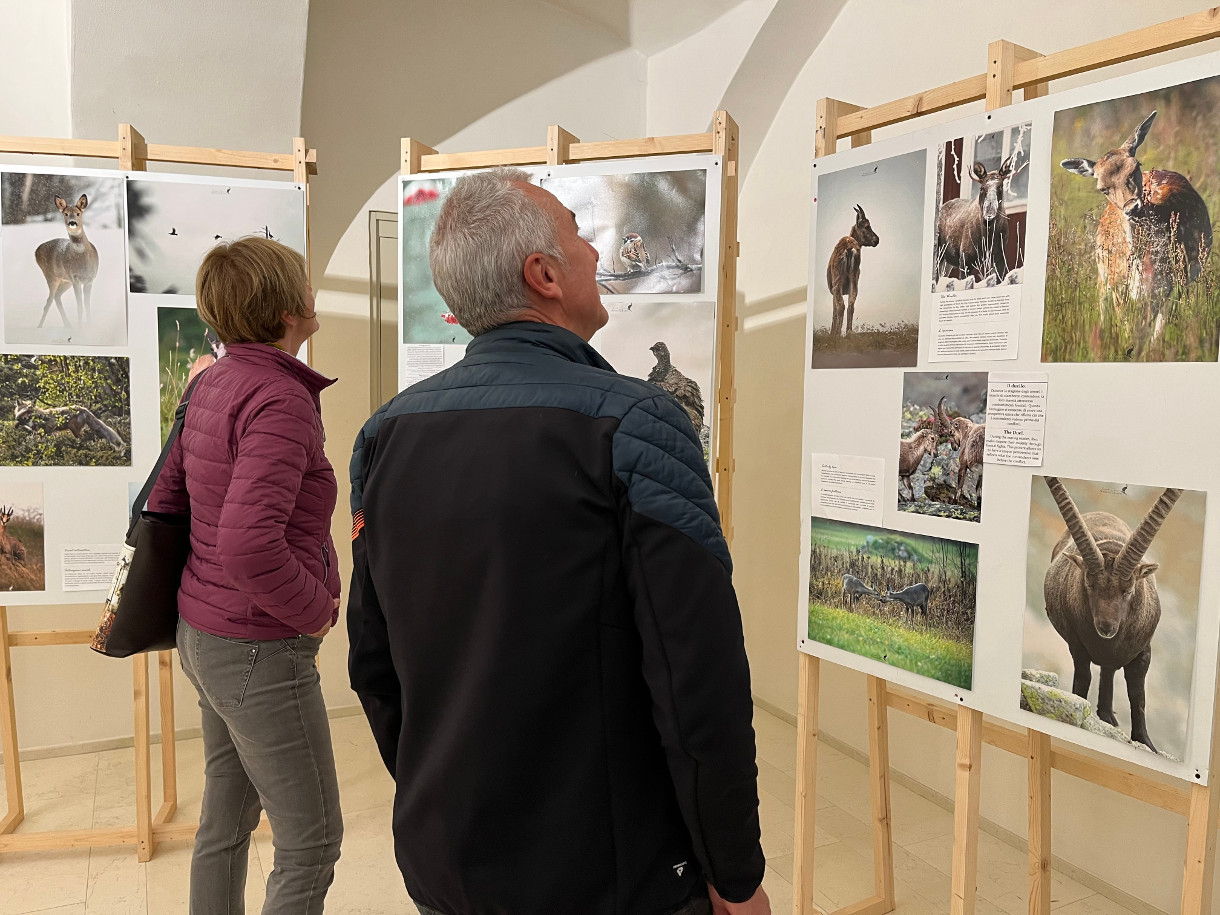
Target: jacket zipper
325, 561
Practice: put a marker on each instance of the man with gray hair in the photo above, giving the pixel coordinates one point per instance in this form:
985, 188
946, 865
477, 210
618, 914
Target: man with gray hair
544, 633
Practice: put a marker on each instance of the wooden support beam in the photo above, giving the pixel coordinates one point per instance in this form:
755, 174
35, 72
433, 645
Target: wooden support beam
443, 162
413, 153
966, 811
133, 150
169, 740
1039, 776
144, 837
1002, 59
1201, 823
15, 811
830, 117
68, 838
558, 145
54, 146
879, 779
648, 146
31, 637
724, 145
873, 905
806, 784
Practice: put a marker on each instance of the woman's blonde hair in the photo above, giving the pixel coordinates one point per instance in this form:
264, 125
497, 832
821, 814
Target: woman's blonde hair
244, 287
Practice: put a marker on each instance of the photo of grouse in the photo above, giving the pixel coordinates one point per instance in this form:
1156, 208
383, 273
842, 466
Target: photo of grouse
669, 379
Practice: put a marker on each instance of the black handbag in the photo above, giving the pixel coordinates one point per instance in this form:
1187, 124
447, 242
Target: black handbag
141, 610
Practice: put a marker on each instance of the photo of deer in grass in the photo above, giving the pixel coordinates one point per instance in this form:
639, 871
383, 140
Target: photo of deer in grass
65, 411
186, 346
940, 448
63, 259
903, 599
22, 559
650, 228
867, 244
1112, 586
981, 205
1129, 272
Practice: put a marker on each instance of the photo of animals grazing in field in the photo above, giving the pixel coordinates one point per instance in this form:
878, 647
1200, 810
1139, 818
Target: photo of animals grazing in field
1129, 273
22, 560
907, 600
940, 449
671, 345
65, 411
1112, 589
649, 228
61, 243
868, 235
981, 206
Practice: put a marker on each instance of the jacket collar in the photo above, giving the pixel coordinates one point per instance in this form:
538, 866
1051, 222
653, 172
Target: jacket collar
271, 357
549, 338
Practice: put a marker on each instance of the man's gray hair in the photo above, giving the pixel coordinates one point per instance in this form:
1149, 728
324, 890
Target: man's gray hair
487, 227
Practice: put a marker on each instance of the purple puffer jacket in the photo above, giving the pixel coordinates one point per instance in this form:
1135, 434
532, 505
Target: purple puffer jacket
250, 468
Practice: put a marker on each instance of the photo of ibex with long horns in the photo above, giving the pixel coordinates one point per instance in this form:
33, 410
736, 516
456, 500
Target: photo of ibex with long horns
1102, 598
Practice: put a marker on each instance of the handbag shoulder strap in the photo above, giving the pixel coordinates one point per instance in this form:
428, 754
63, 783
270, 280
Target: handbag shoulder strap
174, 432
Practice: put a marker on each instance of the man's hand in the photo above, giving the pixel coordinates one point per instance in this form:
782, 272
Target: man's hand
321, 633
758, 904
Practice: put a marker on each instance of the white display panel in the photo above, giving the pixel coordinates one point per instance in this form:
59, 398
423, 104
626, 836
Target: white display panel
70, 464
1118, 431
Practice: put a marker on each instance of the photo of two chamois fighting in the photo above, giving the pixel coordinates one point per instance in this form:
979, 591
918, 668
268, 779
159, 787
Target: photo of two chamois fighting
907, 600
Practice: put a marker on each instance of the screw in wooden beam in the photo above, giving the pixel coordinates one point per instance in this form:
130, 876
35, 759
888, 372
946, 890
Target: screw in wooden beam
558, 142
413, 152
133, 150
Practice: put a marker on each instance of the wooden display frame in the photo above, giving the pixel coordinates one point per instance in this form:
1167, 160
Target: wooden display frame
133, 153
563, 148
1010, 67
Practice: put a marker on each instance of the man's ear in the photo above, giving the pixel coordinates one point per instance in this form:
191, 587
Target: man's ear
540, 276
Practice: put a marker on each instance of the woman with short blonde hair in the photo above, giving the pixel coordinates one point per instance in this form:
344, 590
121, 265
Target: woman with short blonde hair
261, 586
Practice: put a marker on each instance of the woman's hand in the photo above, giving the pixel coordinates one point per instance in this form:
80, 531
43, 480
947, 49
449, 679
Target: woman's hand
321, 633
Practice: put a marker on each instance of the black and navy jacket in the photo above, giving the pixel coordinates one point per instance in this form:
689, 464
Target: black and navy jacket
546, 640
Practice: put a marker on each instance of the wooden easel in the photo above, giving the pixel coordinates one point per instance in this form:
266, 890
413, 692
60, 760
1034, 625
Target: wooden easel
562, 148
1010, 67
133, 154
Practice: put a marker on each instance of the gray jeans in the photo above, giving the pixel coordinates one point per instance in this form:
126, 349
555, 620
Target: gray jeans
266, 744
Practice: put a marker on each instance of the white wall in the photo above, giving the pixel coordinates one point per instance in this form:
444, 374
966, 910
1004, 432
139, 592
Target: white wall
34, 69
876, 51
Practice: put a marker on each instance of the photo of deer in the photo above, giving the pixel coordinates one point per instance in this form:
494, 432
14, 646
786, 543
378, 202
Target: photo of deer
173, 223
1134, 188
867, 258
940, 447
982, 201
425, 316
22, 552
65, 411
671, 345
907, 600
62, 259
186, 346
1112, 588
649, 228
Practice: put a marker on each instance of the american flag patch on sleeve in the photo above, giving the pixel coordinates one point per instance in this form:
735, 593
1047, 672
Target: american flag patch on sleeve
357, 523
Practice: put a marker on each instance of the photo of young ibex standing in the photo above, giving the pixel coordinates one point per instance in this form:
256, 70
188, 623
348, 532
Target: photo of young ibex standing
903, 599
868, 235
65, 411
61, 240
982, 201
1112, 583
22, 563
940, 447
1130, 277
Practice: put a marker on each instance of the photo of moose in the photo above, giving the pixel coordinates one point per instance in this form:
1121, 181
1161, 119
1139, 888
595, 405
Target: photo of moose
867, 259
671, 345
65, 411
22, 552
907, 600
1129, 272
173, 224
982, 200
940, 448
62, 259
185, 347
1112, 587
425, 316
648, 227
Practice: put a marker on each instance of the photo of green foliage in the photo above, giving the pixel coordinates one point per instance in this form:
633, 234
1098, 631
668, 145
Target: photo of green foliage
907, 600
1129, 272
65, 411
183, 350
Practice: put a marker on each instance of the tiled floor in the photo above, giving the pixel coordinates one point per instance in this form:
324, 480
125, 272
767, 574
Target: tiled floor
75, 792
